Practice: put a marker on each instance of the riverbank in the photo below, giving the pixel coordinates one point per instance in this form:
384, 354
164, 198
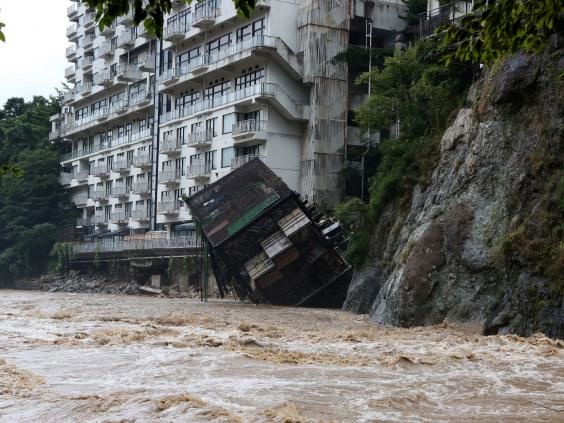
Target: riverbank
95, 357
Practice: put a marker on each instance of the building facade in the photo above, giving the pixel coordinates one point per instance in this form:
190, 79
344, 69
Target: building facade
149, 120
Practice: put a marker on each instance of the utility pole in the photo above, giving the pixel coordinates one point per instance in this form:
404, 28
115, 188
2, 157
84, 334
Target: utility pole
368, 44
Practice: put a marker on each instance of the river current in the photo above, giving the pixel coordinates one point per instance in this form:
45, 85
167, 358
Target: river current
107, 358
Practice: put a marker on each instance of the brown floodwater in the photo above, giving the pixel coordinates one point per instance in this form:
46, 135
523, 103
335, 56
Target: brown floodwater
108, 358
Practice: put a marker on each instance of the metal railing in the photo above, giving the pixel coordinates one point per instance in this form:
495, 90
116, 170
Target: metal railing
128, 139
131, 72
99, 170
87, 40
446, 14
171, 145
84, 221
65, 178
239, 161
83, 88
100, 219
204, 13
119, 217
86, 62
98, 195
200, 137
140, 214
71, 30
245, 126
120, 165
72, 10
70, 72
198, 168
142, 160
126, 39
103, 77
139, 97
71, 51
105, 50
168, 206
80, 199
136, 245
81, 175
169, 175
140, 188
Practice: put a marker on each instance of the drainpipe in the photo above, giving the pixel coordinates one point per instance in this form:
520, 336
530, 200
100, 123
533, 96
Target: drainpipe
369, 36
155, 150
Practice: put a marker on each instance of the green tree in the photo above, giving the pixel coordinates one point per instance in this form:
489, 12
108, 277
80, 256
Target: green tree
32, 205
500, 27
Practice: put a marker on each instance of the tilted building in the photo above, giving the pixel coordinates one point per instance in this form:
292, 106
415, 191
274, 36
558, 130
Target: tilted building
150, 120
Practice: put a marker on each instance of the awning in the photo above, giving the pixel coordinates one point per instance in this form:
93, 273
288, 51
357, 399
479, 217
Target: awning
190, 226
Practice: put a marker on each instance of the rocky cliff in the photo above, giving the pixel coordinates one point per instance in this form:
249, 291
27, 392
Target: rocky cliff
484, 240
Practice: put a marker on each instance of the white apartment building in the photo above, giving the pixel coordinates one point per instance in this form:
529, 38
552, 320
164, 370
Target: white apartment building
150, 120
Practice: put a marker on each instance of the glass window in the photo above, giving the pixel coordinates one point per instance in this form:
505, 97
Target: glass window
226, 156
228, 122
249, 78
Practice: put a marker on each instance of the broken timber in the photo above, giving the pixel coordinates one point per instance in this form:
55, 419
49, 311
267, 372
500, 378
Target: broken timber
267, 244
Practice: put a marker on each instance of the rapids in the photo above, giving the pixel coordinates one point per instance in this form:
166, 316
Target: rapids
109, 358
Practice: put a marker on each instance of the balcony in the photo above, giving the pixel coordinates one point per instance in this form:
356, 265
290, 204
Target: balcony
140, 188
201, 138
119, 218
100, 171
119, 191
68, 97
108, 31
127, 18
121, 166
140, 99
70, 73
65, 178
85, 221
204, 16
142, 161
119, 107
80, 176
83, 89
87, 41
103, 78
86, 63
198, 169
249, 130
139, 215
98, 195
105, 51
446, 14
169, 176
88, 20
239, 161
70, 53
170, 76
168, 207
126, 40
100, 220
146, 62
80, 199
129, 73
175, 31
72, 31
144, 33
171, 145
72, 11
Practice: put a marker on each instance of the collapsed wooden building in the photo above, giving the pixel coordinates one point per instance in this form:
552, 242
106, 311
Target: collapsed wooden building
266, 244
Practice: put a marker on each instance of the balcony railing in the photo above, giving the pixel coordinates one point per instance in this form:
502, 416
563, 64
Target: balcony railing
171, 145
204, 16
99, 170
446, 14
72, 10
121, 165
103, 78
119, 217
128, 139
70, 52
65, 178
200, 138
136, 245
142, 160
71, 30
140, 188
139, 215
88, 19
119, 190
198, 169
70, 72
168, 176
98, 195
83, 89
80, 176
86, 62
87, 41
140, 98
175, 31
239, 161
105, 50
248, 126
129, 73
146, 62
80, 199
125, 40
168, 207
127, 18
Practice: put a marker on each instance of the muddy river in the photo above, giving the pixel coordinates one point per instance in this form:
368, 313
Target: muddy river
104, 358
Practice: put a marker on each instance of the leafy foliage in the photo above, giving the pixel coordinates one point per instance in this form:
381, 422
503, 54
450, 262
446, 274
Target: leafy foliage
151, 13
422, 93
31, 202
500, 27
414, 8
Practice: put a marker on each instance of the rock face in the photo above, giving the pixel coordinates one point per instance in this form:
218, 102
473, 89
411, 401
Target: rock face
442, 258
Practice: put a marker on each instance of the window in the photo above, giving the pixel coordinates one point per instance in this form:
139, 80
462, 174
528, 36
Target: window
113, 43
218, 44
253, 29
117, 97
184, 59
142, 124
210, 126
164, 195
178, 193
218, 90
187, 99
209, 160
255, 115
249, 78
141, 177
194, 190
252, 150
179, 166
109, 163
137, 90
226, 156
98, 105
228, 122
195, 127
130, 157
128, 183
108, 188
128, 208
108, 212
180, 134
128, 128
82, 113
194, 159
113, 70
166, 163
